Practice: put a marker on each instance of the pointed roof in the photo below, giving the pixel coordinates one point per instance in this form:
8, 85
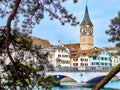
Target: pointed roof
86, 20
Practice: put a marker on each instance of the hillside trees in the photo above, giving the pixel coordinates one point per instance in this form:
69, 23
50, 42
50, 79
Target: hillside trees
114, 33
22, 16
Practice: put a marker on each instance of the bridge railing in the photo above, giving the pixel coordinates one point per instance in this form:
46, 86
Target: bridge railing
66, 69
99, 68
87, 69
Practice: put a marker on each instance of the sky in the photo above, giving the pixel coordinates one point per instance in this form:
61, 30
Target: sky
100, 12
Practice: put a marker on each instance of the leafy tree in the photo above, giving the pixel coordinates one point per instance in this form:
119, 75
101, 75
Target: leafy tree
29, 69
114, 33
114, 30
22, 16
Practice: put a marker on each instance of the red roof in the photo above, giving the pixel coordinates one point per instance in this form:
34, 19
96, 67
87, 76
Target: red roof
45, 43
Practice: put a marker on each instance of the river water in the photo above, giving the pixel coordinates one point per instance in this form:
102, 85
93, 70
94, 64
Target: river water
112, 85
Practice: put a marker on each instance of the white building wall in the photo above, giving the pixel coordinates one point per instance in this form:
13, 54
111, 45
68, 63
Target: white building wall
55, 54
64, 57
103, 59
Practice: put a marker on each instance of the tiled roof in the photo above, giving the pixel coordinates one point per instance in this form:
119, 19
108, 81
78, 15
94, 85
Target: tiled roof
112, 48
61, 48
89, 53
45, 43
94, 52
73, 47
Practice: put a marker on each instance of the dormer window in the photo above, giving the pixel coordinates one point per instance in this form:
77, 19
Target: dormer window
84, 54
94, 58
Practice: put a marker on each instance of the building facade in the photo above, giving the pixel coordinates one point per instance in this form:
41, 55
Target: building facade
100, 61
58, 56
115, 60
79, 60
91, 59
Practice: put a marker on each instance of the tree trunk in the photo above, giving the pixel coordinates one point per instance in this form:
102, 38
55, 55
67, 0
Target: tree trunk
110, 75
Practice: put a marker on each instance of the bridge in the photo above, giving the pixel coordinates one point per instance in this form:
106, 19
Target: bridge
80, 77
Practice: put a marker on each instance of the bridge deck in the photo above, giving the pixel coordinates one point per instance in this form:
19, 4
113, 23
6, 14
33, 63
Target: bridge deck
80, 76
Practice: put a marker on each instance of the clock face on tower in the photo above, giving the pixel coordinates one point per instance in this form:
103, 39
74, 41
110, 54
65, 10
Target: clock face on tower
90, 30
83, 30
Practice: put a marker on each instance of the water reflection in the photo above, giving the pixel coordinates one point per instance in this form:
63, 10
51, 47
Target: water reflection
112, 85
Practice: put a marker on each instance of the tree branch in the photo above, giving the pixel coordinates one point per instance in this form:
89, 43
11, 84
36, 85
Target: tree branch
8, 30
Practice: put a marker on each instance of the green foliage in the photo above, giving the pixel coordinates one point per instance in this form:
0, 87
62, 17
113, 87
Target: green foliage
114, 30
26, 72
26, 75
48, 82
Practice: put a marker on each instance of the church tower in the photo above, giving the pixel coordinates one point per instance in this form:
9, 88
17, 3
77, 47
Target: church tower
86, 32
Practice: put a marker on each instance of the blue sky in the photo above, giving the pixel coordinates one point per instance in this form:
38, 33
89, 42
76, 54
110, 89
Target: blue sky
100, 11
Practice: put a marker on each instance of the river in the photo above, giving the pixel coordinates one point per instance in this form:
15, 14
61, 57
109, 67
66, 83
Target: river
112, 85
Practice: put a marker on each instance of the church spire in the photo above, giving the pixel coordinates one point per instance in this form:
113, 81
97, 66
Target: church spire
86, 19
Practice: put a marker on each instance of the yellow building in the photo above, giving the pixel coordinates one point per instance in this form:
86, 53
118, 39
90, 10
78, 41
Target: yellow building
80, 60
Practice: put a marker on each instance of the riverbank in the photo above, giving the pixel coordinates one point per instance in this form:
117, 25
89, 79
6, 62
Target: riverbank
81, 85
112, 85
